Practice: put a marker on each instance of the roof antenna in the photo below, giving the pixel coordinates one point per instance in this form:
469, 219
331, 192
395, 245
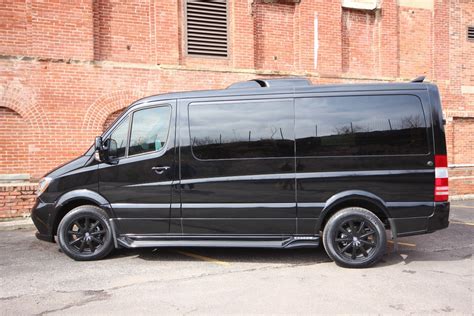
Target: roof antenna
419, 79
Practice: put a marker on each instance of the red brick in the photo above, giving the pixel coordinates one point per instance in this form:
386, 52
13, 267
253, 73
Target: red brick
67, 70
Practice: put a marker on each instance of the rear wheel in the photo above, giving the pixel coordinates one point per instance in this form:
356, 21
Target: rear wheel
85, 233
355, 238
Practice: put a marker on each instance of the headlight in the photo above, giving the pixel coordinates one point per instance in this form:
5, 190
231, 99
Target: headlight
43, 185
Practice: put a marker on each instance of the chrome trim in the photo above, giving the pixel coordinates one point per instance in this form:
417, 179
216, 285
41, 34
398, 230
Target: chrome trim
408, 204
248, 205
238, 205
202, 205
284, 176
311, 204
145, 205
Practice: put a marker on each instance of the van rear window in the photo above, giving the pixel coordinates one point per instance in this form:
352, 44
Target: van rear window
360, 125
246, 129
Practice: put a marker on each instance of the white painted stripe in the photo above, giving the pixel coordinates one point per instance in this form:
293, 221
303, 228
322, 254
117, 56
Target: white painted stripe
443, 188
316, 40
461, 177
441, 172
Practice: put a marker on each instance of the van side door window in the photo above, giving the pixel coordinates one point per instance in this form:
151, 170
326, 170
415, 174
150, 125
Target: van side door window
149, 130
120, 136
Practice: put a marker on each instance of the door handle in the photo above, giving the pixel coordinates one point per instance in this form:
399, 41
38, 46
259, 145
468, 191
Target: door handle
160, 170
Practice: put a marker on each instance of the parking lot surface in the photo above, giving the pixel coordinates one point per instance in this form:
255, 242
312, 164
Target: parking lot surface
429, 274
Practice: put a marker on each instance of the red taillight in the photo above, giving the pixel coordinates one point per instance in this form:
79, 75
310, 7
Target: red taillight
441, 190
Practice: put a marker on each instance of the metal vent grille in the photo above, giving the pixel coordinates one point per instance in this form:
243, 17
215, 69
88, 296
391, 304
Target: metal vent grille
206, 26
470, 33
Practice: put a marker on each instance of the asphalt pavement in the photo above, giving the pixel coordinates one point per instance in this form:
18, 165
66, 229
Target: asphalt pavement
430, 274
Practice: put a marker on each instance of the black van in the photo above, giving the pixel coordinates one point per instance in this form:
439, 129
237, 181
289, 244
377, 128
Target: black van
275, 163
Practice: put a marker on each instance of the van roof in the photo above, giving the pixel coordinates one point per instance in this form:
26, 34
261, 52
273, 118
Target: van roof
282, 86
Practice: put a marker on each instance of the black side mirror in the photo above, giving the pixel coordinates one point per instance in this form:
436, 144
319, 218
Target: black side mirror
98, 143
98, 149
108, 153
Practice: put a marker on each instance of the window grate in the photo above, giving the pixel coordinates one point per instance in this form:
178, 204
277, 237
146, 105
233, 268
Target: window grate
470, 33
206, 27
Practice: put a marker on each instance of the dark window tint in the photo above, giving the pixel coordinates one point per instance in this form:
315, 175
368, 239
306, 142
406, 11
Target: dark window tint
249, 129
120, 135
360, 125
149, 130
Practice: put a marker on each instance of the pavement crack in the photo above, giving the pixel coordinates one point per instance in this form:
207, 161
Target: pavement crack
8, 298
90, 296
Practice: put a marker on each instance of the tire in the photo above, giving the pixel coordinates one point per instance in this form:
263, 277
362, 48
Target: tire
355, 238
85, 233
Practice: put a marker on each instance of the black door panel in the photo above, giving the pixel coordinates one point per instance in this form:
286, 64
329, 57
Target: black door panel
237, 167
141, 197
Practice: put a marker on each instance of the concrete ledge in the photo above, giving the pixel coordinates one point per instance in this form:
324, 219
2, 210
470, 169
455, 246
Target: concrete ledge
461, 197
16, 223
14, 178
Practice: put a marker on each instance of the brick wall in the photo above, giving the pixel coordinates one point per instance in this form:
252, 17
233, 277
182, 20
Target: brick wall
68, 68
16, 200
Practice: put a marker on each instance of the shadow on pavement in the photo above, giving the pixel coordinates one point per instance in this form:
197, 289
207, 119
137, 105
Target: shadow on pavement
452, 244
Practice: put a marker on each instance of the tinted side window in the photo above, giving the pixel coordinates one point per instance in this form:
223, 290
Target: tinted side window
120, 135
149, 130
360, 125
247, 129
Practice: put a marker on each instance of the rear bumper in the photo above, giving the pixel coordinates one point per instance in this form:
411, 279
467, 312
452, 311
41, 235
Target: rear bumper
409, 226
440, 217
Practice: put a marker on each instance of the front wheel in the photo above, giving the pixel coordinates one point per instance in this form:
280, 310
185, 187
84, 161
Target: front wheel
85, 233
355, 238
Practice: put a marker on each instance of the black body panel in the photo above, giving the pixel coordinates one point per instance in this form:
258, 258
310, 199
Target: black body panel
238, 196
212, 194
139, 196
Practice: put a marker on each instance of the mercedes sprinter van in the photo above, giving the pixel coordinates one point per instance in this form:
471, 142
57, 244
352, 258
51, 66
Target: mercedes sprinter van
275, 163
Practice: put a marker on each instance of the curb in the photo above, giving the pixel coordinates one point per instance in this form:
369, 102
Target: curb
16, 224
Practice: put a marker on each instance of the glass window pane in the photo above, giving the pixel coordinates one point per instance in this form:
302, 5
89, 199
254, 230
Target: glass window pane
250, 129
120, 135
360, 125
149, 130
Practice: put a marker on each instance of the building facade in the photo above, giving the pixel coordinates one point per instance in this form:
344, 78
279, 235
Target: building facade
68, 68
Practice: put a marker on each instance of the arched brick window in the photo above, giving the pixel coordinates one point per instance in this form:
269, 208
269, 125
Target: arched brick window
111, 118
14, 142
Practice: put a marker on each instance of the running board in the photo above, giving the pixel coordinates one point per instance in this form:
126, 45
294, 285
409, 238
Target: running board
199, 241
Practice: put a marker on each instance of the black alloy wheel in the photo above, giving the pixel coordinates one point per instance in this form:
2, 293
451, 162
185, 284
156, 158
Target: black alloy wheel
355, 238
85, 233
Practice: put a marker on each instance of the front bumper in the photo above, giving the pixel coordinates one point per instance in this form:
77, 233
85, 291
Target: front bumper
41, 214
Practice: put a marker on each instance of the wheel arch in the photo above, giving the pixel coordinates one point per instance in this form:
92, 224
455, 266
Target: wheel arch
353, 198
73, 199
